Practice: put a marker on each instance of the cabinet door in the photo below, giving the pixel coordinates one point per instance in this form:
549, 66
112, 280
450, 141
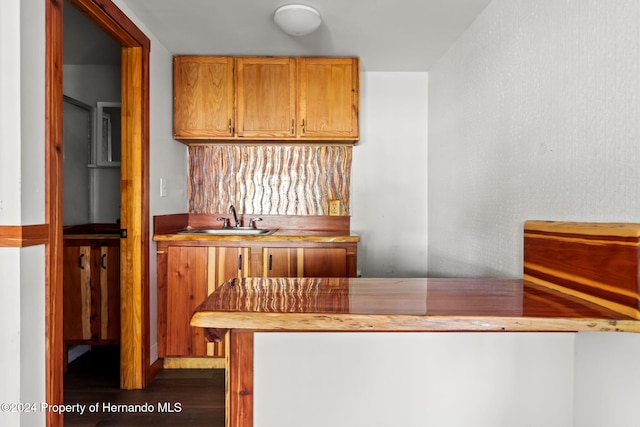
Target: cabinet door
280, 262
266, 97
77, 292
110, 292
192, 274
304, 262
186, 288
203, 97
328, 93
324, 262
224, 264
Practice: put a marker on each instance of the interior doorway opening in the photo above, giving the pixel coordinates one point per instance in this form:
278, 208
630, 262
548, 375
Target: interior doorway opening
92, 129
134, 249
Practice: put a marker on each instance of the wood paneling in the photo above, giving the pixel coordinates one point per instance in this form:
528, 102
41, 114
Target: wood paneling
596, 261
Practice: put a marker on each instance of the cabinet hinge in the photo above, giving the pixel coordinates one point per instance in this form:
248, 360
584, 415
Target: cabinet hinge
123, 233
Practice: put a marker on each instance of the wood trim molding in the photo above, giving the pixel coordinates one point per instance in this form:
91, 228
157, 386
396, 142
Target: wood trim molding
136, 361
20, 236
113, 21
54, 345
239, 379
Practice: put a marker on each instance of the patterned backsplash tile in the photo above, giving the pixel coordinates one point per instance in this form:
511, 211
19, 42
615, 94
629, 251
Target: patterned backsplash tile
275, 180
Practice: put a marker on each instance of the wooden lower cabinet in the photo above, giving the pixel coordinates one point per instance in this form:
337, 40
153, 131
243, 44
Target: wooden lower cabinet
91, 293
188, 271
304, 262
192, 274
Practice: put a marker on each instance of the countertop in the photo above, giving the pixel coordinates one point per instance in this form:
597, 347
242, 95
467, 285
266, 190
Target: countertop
279, 235
288, 228
367, 304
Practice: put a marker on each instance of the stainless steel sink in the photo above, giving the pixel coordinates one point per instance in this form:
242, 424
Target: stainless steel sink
232, 231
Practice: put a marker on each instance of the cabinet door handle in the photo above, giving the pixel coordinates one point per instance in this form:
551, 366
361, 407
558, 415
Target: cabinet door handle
80, 263
303, 126
270, 262
293, 130
230, 128
104, 266
240, 262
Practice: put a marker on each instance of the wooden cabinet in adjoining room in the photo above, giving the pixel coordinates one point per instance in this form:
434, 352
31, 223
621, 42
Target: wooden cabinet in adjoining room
203, 104
328, 97
304, 262
91, 294
191, 274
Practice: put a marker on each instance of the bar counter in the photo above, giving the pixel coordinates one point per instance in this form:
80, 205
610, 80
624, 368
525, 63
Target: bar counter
577, 277
419, 305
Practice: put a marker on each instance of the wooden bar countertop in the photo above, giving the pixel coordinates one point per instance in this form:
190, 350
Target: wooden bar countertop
363, 304
577, 277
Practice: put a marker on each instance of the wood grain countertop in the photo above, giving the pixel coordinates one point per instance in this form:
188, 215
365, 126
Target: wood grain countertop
279, 235
287, 228
367, 304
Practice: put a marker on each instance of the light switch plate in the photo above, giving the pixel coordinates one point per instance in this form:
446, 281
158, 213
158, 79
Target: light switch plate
163, 187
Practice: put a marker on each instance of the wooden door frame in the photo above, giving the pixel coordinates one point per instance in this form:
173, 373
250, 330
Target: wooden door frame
134, 306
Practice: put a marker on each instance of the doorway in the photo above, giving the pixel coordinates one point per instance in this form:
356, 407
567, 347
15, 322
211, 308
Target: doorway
134, 249
92, 90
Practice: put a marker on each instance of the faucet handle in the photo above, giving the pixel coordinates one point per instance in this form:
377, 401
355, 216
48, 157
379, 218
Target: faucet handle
252, 222
225, 222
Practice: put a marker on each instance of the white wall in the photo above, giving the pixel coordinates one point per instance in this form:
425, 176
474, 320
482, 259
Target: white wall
607, 395
9, 112
92, 84
22, 203
389, 177
413, 379
533, 114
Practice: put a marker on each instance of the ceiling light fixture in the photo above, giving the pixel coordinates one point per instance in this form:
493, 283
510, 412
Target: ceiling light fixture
297, 19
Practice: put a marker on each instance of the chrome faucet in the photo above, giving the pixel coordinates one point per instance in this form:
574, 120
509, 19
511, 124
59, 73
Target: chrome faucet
232, 210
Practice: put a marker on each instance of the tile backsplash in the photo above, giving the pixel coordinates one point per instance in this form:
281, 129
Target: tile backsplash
269, 179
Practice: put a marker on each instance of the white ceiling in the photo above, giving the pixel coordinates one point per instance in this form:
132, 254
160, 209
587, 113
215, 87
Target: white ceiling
398, 35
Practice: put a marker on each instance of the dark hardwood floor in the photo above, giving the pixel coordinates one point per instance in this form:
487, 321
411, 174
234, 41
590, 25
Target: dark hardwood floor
176, 397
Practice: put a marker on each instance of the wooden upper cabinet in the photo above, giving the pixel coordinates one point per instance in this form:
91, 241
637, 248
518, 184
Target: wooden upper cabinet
203, 103
286, 99
328, 98
266, 97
